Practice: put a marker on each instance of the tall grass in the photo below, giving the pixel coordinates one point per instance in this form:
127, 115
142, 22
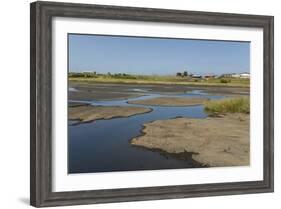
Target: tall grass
157, 79
233, 105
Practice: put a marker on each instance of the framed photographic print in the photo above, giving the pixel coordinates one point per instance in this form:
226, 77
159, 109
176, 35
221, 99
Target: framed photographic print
131, 104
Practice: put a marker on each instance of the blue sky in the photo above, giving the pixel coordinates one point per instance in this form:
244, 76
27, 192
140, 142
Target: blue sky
137, 55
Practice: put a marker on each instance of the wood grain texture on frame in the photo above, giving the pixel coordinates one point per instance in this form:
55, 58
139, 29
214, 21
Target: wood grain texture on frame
41, 14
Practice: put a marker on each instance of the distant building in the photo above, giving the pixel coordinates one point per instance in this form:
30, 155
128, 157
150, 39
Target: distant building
236, 75
207, 77
196, 76
244, 75
226, 75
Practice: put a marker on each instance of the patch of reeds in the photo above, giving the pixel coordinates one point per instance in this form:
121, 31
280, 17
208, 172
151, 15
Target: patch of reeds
231, 105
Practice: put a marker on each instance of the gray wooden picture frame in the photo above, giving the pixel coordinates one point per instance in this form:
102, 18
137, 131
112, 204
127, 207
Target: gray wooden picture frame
41, 16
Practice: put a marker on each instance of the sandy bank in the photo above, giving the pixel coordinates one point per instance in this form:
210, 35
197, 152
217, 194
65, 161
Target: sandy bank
86, 91
217, 141
90, 95
170, 101
87, 113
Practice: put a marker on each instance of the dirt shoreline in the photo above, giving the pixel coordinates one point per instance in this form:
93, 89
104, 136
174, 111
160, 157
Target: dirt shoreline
89, 113
214, 141
170, 101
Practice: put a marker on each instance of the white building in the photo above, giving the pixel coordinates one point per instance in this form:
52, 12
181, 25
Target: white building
235, 75
244, 75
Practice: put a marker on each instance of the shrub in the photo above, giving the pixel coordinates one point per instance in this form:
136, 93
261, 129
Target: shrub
234, 105
122, 76
225, 80
82, 75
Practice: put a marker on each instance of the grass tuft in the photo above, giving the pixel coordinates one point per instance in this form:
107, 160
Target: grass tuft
233, 105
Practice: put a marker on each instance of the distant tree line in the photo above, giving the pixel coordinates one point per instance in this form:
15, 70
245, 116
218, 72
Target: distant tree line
95, 75
83, 75
183, 74
122, 75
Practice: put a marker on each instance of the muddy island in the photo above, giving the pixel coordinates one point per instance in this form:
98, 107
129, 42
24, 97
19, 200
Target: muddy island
215, 141
87, 113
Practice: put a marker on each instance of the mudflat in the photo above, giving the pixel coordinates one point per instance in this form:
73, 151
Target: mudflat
76, 104
171, 101
87, 113
87, 91
213, 141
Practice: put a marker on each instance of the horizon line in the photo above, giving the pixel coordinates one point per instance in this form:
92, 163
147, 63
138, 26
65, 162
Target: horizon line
200, 73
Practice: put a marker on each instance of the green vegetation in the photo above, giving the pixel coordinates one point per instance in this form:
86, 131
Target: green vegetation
83, 75
225, 80
157, 79
233, 105
184, 74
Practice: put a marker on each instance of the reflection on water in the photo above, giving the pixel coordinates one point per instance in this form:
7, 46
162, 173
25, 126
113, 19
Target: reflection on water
103, 145
72, 89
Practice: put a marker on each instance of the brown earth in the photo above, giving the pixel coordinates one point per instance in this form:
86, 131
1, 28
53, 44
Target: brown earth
87, 113
214, 141
110, 91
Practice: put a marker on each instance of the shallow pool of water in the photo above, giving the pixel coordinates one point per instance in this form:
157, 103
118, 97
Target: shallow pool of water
104, 145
